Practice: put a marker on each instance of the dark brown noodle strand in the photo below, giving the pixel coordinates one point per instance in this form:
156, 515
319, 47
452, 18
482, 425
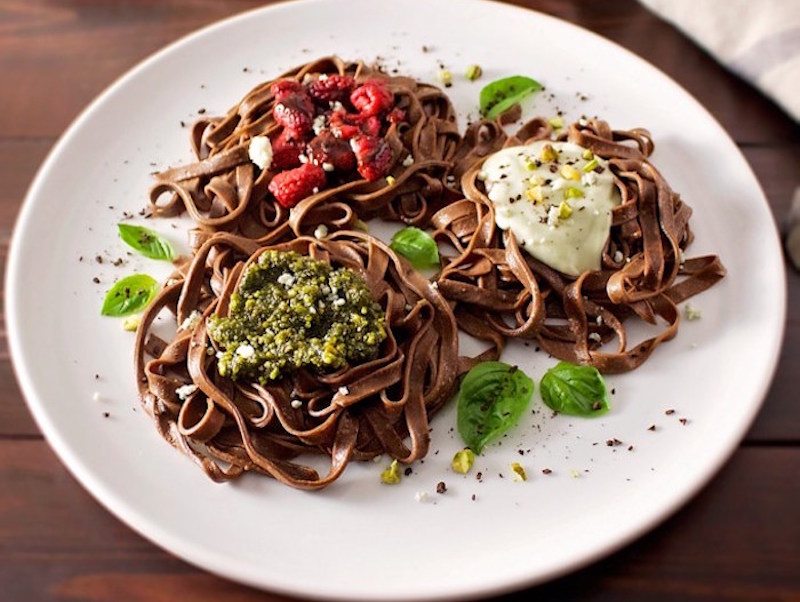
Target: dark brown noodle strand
224, 191
359, 412
501, 292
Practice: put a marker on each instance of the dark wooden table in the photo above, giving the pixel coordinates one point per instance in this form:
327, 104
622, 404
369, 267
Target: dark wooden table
738, 540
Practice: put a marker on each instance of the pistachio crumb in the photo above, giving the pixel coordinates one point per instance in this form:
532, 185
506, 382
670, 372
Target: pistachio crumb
519, 472
446, 77
556, 122
463, 461
473, 72
391, 474
390, 180
131, 323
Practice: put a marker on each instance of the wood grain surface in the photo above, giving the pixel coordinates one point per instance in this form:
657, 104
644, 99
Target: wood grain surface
738, 540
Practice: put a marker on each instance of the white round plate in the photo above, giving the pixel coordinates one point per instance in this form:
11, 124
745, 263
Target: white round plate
361, 540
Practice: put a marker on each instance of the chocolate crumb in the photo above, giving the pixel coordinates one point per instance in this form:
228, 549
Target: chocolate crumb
201, 111
183, 124
441, 487
479, 476
408, 471
98, 259
97, 377
652, 427
613, 391
683, 420
106, 414
521, 452
473, 497
546, 471
669, 412
96, 280
630, 448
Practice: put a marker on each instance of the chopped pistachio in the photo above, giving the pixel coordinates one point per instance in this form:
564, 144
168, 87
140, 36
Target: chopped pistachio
573, 193
556, 122
535, 194
445, 77
564, 210
463, 461
570, 173
530, 164
131, 323
591, 166
692, 313
390, 180
519, 471
473, 72
391, 474
587, 154
548, 153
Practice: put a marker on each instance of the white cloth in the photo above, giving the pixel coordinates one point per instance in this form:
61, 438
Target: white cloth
757, 39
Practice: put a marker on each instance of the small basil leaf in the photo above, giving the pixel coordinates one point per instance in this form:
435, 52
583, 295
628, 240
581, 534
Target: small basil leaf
146, 242
502, 94
492, 397
575, 390
417, 246
129, 295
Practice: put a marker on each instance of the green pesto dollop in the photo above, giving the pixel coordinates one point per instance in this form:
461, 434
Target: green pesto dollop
291, 311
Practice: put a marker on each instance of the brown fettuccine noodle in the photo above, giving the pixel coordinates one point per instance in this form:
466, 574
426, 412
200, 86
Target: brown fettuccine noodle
224, 191
358, 412
500, 292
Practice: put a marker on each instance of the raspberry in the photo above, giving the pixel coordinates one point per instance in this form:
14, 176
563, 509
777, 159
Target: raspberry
371, 126
286, 149
294, 111
374, 156
372, 98
327, 148
292, 186
397, 116
331, 88
344, 125
285, 87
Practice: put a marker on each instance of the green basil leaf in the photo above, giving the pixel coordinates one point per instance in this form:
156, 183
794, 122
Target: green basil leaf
129, 295
502, 94
575, 390
145, 241
417, 246
492, 397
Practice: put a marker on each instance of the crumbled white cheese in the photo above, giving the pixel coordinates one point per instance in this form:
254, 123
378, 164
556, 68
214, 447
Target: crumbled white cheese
692, 313
338, 302
558, 184
322, 77
335, 105
96, 396
583, 122
315, 190
260, 151
302, 158
343, 390
588, 179
296, 404
408, 161
377, 459
319, 124
552, 216
320, 232
482, 175
246, 351
435, 286
192, 320
618, 256
286, 279
172, 281
327, 166
184, 391
421, 496
595, 336
599, 320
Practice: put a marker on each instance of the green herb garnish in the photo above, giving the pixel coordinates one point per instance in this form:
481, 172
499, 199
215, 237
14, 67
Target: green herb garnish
417, 246
502, 94
146, 241
492, 397
129, 295
575, 390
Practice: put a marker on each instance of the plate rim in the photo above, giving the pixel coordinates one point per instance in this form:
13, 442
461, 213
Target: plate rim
151, 531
